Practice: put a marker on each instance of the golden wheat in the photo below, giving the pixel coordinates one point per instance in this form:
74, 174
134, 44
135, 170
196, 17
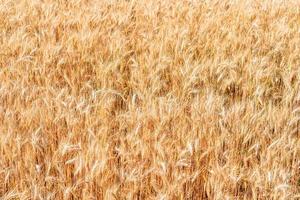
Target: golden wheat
149, 99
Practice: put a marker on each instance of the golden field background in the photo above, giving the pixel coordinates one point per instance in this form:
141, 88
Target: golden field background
149, 99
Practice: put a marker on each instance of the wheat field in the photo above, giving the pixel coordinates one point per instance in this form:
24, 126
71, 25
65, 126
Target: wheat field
150, 99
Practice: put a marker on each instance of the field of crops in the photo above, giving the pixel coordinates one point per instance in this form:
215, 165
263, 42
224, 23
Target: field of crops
150, 99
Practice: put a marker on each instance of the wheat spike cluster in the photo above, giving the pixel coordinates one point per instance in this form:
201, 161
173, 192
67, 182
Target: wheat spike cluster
149, 99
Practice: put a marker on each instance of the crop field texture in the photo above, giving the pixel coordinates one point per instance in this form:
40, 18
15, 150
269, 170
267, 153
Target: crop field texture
149, 99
